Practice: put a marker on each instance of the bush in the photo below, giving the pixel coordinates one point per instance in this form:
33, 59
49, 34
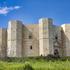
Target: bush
28, 67
49, 57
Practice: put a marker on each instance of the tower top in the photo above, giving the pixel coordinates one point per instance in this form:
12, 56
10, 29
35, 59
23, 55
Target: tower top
45, 20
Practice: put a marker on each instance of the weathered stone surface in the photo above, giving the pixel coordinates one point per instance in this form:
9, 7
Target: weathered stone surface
66, 42
3, 42
33, 31
14, 39
20, 40
45, 37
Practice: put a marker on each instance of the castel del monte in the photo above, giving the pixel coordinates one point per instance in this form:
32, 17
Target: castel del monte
19, 40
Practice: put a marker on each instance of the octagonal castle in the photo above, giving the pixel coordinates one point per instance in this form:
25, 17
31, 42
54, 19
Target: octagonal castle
41, 39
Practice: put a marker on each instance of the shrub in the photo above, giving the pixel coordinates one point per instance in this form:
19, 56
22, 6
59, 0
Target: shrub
28, 67
49, 57
52, 57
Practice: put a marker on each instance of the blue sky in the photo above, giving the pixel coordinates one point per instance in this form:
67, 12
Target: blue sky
30, 11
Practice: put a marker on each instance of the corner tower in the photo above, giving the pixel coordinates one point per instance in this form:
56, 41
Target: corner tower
45, 36
66, 39
14, 39
3, 42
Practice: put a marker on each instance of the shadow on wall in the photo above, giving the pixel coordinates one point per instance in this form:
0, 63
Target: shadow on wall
30, 41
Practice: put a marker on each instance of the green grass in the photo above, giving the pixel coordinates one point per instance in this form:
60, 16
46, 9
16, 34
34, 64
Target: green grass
37, 64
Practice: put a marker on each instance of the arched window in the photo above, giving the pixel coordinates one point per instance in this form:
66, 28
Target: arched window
56, 37
31, 47
30, 36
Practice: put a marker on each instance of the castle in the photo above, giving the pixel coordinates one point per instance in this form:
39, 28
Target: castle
41, 39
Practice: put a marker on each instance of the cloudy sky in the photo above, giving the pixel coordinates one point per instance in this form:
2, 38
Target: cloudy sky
30, 11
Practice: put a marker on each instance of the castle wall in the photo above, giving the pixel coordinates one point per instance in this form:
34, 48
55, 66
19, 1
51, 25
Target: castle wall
14, 40
33, 40
3, 42
58, 42
30, 40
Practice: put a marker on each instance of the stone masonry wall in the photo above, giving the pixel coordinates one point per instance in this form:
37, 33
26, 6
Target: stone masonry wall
14, 40
30, 41
45, 37
3, 42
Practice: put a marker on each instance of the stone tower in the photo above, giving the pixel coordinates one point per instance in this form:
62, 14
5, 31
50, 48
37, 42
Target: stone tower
45, 36
66, 39
3, 42
14, 40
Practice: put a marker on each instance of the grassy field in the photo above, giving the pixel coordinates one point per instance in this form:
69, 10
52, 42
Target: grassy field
37, 64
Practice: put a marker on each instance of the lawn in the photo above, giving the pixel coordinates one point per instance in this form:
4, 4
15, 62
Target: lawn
37, 64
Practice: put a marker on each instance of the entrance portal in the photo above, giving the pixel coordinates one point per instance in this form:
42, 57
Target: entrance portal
56, 52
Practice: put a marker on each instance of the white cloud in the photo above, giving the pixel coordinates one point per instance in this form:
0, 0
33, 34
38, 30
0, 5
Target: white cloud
17, 7
6, 10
